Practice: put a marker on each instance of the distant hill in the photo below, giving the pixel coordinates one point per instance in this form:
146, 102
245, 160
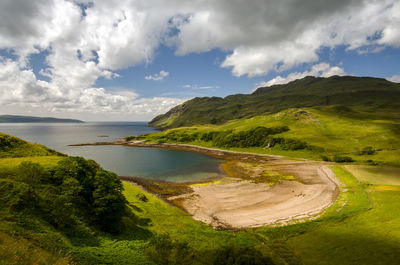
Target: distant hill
306, 92
17, 119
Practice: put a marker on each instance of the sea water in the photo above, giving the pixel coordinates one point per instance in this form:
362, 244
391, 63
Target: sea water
151, 163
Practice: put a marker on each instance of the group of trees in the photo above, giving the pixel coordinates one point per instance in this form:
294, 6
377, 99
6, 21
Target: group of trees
75, 192
256, 137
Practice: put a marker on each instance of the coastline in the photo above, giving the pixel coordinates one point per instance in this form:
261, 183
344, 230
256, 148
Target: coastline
214, 152
244, 197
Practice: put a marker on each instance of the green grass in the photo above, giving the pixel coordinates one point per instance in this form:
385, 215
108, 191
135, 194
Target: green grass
21, 251
376, 175
11, 146
326, 128
45, 161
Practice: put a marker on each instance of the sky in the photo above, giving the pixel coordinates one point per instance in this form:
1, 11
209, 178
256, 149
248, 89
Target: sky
130, 60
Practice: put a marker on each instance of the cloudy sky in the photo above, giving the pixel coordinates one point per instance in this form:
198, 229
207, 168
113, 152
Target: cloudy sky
131, 60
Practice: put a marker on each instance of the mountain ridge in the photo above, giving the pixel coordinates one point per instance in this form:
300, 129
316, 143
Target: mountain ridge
306, 92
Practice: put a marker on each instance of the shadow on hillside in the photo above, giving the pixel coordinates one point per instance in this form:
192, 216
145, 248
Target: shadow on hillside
134, 227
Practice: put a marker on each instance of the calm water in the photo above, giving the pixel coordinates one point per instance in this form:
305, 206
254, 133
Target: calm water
159, 164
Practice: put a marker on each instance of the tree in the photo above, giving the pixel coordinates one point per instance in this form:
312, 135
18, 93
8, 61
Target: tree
108, 201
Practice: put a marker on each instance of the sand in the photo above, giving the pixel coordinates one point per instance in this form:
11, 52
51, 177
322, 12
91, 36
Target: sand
234, 203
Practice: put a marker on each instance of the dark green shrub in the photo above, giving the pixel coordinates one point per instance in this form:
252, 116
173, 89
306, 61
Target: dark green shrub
32, 173
255, 137
369, 150
372, 162
130, 138
342, 159
325, 158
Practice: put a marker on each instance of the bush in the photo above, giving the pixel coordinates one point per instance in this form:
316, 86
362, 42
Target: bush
369, 150
342, 159
287, 144
32, 173
75, 192
255, 137
325, 158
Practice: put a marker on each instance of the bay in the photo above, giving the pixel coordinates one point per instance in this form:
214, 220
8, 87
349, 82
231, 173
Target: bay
151, 163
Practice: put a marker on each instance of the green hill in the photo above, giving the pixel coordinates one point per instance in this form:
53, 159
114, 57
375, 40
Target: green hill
27, 119
364, 134
374, 93
11, 146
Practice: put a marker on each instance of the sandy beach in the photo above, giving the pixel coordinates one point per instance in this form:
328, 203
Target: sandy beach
235, 203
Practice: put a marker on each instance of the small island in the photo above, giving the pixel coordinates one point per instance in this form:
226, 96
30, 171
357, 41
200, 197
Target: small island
33, 119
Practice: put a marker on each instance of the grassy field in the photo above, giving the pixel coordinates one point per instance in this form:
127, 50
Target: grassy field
330, 130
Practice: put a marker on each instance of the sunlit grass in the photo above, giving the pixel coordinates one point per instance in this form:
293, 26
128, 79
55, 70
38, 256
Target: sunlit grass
325, 128
45, 161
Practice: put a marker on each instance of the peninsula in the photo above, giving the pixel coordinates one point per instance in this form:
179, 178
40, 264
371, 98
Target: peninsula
33, 119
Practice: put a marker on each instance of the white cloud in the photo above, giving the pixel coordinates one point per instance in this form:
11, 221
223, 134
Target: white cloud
157, 77
395, 78
19, 88
198, 87
263, 36
259, 36
320, 70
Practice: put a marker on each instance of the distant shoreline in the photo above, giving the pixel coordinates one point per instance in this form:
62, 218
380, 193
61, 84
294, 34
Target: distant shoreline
33, 119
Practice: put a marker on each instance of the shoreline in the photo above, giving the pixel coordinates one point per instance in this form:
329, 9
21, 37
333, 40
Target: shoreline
214, 152
238, 202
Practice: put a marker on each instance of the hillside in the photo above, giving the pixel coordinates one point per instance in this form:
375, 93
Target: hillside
367, 92
11, 146
28, 119
363, 134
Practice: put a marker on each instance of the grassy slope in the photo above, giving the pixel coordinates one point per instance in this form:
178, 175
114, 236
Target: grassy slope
11, 146
336, 129
33, 242
306, 92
